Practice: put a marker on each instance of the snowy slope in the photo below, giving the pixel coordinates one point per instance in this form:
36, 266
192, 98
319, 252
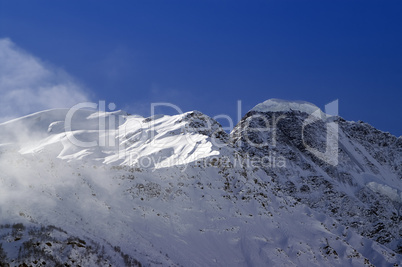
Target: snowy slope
173, 190
116, 138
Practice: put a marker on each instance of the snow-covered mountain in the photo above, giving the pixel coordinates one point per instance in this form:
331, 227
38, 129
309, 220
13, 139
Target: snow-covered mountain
80, 187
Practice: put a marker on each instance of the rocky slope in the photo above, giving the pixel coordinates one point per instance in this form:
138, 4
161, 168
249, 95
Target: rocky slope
363, 189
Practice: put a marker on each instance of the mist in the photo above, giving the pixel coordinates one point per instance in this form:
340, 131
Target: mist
29, 84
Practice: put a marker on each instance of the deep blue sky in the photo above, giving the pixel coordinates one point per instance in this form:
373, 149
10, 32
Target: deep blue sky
206, 55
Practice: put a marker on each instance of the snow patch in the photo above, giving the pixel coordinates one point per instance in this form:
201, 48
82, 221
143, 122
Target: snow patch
385, 190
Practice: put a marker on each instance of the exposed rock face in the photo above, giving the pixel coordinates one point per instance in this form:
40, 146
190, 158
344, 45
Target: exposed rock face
365, 155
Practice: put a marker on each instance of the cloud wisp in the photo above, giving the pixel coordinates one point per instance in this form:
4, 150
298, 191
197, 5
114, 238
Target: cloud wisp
27, 84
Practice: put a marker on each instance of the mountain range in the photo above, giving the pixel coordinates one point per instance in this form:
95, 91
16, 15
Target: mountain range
290, 185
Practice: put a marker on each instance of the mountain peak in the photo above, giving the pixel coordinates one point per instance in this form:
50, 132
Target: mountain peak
280, 105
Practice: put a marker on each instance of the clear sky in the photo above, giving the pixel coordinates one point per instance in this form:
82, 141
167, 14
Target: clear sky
206, 54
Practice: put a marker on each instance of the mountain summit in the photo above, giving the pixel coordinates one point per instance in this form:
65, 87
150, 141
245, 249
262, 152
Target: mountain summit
276, 105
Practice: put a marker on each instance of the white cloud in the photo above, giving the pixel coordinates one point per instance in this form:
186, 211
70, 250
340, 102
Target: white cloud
29, 85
